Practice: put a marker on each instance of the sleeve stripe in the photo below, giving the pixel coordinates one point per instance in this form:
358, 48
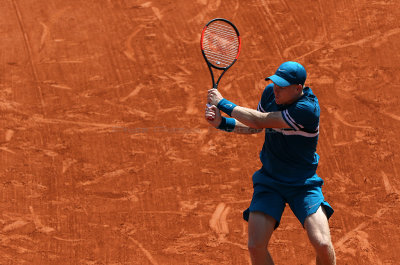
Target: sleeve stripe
292, 120
289, 120
290, 117
300, 133
259, 108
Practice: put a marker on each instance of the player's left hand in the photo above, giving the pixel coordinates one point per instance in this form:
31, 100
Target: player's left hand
213, 115
214, 97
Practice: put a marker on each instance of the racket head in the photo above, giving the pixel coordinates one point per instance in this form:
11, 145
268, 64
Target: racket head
220, 43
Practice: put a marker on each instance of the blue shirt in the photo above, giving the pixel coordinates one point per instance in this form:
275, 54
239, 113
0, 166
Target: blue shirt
289, 155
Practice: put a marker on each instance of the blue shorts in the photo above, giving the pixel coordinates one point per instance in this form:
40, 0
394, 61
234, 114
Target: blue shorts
270, 197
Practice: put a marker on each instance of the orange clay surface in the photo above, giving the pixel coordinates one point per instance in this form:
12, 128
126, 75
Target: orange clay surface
105, 157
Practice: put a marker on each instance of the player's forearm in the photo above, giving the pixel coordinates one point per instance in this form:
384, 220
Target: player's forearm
241, 128
255, 119
249, 117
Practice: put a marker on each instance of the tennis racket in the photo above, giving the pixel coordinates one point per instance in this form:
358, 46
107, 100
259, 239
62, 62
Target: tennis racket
220, 46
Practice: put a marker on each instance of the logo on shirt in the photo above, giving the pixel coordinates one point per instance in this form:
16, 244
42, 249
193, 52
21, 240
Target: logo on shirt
315, 204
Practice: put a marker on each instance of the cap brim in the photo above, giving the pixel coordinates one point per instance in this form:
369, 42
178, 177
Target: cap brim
278, 80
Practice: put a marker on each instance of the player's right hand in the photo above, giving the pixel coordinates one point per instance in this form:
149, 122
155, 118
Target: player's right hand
213, 115
214, 96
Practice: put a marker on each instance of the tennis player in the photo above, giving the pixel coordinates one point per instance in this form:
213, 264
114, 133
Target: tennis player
289, 112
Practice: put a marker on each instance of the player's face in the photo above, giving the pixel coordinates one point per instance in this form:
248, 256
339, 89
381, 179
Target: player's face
286, 95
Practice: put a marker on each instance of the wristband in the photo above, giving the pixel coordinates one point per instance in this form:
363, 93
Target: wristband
226, 106
227, 124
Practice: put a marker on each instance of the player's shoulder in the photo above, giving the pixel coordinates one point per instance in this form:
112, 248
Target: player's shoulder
308, 102
305, 111
304, 114
269, 88
267, 98
268, 91
309, 95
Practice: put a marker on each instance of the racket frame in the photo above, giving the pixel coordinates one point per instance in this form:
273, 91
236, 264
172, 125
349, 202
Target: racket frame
210, 65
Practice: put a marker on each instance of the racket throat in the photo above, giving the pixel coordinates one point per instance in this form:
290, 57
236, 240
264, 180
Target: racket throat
216, 84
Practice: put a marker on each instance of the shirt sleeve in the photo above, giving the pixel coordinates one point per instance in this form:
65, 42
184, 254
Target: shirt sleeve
302, 116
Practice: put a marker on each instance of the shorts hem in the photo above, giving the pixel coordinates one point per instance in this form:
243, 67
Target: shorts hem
328, 209
246, 215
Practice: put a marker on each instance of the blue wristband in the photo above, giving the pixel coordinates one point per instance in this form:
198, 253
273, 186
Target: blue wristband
227, 124
226, 106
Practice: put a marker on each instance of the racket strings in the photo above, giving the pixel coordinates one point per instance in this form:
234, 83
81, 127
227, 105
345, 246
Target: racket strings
220, 53
221, 44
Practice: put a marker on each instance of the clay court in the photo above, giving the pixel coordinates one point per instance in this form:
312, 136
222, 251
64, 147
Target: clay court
106, 157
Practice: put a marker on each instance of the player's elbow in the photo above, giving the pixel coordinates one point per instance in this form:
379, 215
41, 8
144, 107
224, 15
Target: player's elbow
271, 120
257, 122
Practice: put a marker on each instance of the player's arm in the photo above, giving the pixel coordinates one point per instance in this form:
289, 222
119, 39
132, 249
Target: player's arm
241, 128
249, 117
213, 116
259, 120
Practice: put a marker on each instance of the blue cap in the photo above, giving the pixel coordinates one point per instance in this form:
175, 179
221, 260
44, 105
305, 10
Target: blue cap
289, 73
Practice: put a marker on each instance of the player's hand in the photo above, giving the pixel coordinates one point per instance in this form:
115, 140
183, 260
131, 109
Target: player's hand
213, 115
214, 96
